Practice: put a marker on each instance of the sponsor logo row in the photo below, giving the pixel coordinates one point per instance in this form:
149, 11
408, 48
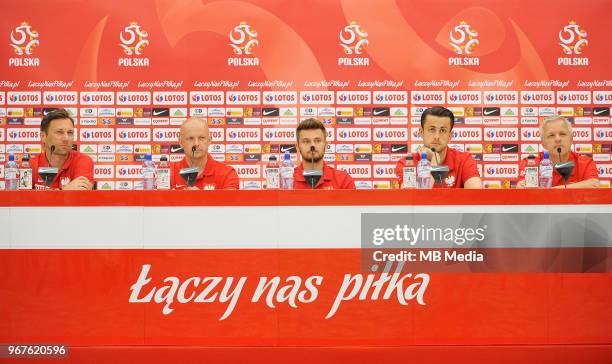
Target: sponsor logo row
279, 134
306, 97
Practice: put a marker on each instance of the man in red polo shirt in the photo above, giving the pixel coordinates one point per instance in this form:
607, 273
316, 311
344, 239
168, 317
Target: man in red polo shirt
436, 126
75, 170
312, 142
556, 133
195, 139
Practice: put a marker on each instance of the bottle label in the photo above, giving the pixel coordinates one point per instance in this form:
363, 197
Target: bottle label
286, 172
162, 180
531, 177
148, 173
410, 180
272, 178
11, 173
25, 179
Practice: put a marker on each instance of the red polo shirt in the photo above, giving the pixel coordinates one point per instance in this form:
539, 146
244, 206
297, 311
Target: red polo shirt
332, 179
76, 165
461, 167
217, 174
584, 169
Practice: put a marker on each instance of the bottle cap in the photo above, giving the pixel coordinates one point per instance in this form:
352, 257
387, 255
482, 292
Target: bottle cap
272, 158
163, 158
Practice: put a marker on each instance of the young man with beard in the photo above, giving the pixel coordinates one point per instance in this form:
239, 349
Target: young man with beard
312, 142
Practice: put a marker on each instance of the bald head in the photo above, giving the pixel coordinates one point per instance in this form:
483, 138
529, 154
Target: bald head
194, 133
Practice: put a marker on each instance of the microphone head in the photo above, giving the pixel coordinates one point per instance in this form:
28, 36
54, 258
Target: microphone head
193, 149
433, 149
559, 150
312, 148
52, 148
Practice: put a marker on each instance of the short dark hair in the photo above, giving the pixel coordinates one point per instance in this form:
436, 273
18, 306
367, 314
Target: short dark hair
439, 111
54, 115
310, 124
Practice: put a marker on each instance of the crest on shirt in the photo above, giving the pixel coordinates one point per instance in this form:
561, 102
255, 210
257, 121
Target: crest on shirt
64, 181
450, 181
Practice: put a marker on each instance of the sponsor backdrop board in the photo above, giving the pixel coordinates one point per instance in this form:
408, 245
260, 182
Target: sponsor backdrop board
131, 74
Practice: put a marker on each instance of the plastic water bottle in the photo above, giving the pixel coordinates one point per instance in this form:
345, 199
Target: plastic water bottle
531, 173
409, 175
273, 174
424, 172
25, 173
162, 176
11, 174
148, 173
286, 172
546, 171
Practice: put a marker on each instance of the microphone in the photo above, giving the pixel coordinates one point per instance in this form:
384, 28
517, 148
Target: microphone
312, 151
48, 173
435, 155
312, 176
439, 171
564, 168
190, 174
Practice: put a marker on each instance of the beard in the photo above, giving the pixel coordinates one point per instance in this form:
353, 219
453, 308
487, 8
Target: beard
309, 157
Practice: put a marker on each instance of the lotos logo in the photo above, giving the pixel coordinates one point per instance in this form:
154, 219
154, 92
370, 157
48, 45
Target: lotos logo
353, 39
501, 134
428, 97
247, 171
23, 135
603, 134
537, 97
464, 97
279, 134
602, 97
129, 171
207, 98
354, 134
357, 170
499, 97
530, 134
93, 134
355, 97
133, 39
463, 38
246, 97
170, 98
390, 97
321, 97
581, 134
24, 98
391, 134
243, 39
58, 98
467, 134
133, 98
280, 98
574, 97
573, 39
97, 98
24, 39
134, 135
501, 171
166, 135
243, 134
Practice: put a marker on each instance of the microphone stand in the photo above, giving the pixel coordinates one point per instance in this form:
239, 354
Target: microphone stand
438, 172
564, 169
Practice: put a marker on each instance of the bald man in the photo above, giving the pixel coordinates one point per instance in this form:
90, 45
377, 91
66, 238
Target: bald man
195, 139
